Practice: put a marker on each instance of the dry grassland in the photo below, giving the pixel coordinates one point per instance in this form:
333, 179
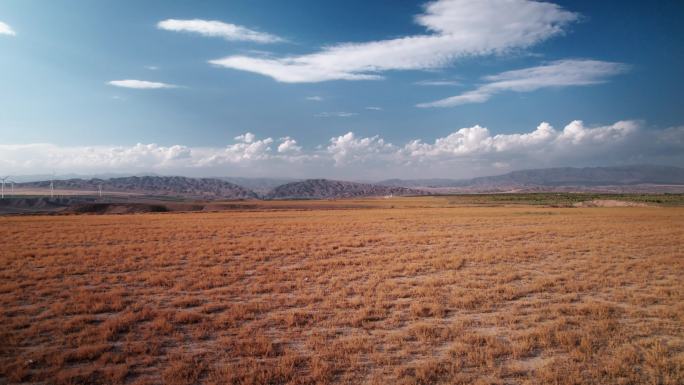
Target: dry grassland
402, 293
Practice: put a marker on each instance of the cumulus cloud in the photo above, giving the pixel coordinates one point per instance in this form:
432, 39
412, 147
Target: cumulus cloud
247, 137
577, 133
455, 29
140, 84
288, 145
213, 28
348, 148
5, 29
479, 141
247, 149
465, 152
561, 73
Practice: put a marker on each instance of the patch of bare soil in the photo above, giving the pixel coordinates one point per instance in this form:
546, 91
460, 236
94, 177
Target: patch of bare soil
609, 203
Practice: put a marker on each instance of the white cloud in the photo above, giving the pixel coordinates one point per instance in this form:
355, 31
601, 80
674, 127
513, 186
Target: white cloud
45, 156
457, 29
576, 133
314, 98
288, 145
214, 28
479, 141
561, 73
247, 149
466, 152
5, 29
348, 148
247, 137
373, 108
152, 68
140, 84
339, 114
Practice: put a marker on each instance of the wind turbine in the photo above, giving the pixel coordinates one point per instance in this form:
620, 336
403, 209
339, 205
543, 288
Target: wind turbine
2, 195
52, 186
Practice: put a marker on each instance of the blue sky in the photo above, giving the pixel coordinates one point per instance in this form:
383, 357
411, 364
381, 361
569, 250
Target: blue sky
353, 89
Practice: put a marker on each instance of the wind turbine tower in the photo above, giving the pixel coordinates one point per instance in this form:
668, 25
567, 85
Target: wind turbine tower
2, 194
52, 185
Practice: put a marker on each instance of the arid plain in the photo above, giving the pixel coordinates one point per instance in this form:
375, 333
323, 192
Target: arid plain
407, 291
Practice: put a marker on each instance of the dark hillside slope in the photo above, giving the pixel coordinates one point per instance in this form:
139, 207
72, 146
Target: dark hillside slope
203, 188
327, 189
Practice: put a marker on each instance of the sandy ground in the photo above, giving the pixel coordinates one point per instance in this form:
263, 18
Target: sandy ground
609, 203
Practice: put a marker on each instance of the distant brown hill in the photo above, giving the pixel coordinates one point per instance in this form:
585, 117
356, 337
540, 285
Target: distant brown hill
618, 179
325, 189
201, 188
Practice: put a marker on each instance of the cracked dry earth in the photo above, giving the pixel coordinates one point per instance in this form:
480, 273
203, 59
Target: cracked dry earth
404, 295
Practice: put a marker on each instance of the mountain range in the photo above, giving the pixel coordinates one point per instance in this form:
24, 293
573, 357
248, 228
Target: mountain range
261, 186
640, 178
179, 186
551, 179
325, 189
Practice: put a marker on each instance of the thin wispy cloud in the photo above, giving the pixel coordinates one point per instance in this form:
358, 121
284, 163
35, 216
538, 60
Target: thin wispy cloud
314, 98
438, 83
338, 114
140, 84
213, 28
373, 108
561, 73
5, 29
456, 29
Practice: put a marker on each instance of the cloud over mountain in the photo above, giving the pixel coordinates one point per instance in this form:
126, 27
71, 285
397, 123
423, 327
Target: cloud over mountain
465, 152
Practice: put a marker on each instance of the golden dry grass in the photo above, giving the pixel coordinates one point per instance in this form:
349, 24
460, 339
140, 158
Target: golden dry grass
401, 293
